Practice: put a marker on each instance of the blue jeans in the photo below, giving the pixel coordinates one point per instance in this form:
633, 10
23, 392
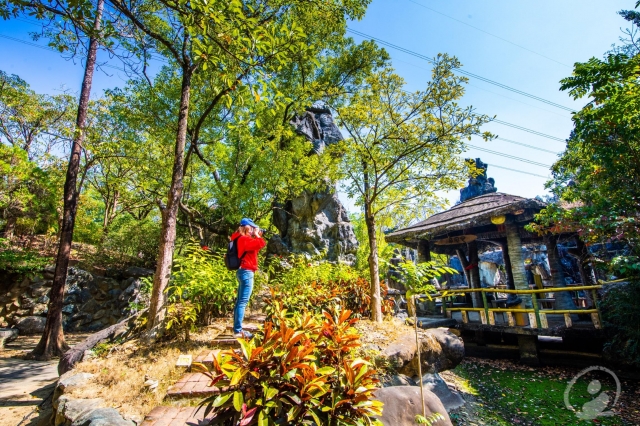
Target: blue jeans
245, 287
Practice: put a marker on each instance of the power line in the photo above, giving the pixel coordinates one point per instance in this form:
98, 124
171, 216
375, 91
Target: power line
460, 71
517, 171
49, 49
512, 157
488, 33
528, 146
524, 129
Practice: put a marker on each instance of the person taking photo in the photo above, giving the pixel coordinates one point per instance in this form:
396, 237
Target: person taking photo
249, 243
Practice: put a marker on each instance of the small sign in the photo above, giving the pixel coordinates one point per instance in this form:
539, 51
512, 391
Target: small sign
184, 360
459, 239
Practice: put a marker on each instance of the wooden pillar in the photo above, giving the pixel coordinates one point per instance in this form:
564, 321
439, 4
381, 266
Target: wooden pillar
586, 269
507, 265
463, 261
514, 249
424, 251
474, 273
564, 300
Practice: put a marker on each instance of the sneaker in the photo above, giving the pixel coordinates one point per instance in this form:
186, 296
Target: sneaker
243, 335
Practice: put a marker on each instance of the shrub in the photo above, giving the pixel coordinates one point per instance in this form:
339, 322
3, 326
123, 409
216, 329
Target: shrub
200, 277
297, 371
621, 318
21, 261
130, 240
303, 285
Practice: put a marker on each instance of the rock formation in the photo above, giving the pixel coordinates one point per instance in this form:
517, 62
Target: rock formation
91, 302
478, 185
314, 223
402, 404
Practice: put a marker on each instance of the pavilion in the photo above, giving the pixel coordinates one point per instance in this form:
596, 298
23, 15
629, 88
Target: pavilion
483, 219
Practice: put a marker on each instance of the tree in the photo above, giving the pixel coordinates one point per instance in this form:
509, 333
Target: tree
403, 147
232, 45
32, 122
596, 178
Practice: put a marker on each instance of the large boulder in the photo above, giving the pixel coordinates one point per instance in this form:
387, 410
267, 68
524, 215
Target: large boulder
450, 398
102, 417
7, 335
31, 325
68, 410
440, 350
397, 380
402, 350
137, 272
403, 403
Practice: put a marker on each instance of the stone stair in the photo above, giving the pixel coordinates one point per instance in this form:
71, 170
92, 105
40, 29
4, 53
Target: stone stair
194, 386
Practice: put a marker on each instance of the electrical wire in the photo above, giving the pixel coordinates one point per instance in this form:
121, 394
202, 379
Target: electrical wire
460, 71
488, 33
528, 146
512, 157
517, 171
524, 129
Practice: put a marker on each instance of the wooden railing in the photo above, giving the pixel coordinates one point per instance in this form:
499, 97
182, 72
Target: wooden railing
536, 315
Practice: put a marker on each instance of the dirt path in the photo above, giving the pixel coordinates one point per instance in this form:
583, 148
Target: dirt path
25, 384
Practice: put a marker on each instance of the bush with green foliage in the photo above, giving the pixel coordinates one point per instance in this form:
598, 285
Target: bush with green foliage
200, 277
300, 370
130, 240
301, 284
20, 261
621, 318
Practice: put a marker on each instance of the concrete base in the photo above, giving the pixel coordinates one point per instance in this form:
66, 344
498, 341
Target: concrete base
528, 346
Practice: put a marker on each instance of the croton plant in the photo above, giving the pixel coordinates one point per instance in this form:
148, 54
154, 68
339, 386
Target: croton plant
299, 370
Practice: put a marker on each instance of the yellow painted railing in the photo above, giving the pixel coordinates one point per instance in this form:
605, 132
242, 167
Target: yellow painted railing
536, 315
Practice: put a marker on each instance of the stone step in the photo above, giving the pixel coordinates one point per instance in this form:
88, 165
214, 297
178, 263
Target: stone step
226, 339
192, 385
206, 357
250, 327
175, 416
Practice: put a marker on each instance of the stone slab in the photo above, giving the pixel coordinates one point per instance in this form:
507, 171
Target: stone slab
192, 385
175, 416
206, 357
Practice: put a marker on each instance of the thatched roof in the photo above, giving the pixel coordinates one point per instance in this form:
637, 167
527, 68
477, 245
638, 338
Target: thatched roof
474, 212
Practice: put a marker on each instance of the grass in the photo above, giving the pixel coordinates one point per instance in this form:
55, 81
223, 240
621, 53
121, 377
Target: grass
121, 369
505, 393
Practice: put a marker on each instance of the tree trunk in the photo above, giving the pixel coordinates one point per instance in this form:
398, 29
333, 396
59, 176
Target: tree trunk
10, 227
169, 216
376, 300
52, 342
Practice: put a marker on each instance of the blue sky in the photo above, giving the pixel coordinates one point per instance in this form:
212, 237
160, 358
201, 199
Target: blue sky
560, 32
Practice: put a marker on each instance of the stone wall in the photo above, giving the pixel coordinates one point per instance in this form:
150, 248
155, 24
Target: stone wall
92, 302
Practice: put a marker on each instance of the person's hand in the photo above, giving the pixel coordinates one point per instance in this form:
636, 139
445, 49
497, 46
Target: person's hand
258, 232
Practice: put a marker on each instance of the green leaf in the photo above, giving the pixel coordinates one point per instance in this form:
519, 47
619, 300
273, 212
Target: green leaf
238, 400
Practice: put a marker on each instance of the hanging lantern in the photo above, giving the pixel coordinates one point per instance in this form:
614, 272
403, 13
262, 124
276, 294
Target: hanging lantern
498, 220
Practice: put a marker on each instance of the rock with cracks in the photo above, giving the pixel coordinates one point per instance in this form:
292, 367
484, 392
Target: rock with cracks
440, 350
402, 404
451, 399
31, 325
7, 335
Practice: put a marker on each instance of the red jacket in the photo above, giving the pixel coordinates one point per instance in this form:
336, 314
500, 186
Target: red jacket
251, 246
